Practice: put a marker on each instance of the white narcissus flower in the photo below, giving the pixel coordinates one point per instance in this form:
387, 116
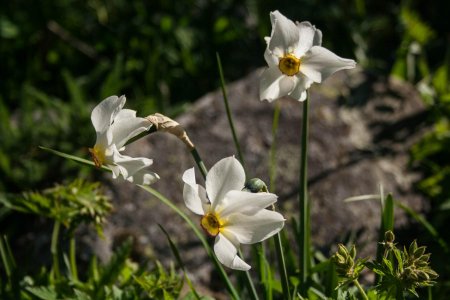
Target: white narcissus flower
229, 214
114, 127
296, 59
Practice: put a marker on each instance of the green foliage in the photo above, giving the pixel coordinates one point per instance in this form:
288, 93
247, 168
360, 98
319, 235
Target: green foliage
71, 204
159, 284
403, 271
119, 279
347, 267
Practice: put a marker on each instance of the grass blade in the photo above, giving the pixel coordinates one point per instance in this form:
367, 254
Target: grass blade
177, 255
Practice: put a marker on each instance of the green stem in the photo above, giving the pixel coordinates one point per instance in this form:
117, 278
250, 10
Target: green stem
304, 203
249, 283
282, 267
273, 148
152, 129
72, 256
54, 249
277, 237
198, 160
361, 290
227, 108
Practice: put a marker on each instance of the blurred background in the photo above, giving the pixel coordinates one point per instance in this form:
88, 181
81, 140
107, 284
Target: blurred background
59, 58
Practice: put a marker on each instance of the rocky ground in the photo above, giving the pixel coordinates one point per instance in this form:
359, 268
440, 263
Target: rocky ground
361, 129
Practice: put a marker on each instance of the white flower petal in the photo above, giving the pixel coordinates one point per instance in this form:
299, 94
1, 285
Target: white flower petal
104, 113
225, 248
143, 177
299, 92
274, 84
317, 38
307, 33
284, 36
271, 59
226, 175
129, 166
125, 128
256, 228
194, 195
244, 203
319, 63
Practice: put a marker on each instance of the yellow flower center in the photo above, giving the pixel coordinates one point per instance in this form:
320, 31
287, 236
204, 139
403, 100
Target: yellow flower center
211, 224
98, 156
289, 65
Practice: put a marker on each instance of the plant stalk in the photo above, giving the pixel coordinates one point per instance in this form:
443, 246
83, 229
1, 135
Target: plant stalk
54, 249
227, 108
277, 238
361, 290
72, 257
304, 204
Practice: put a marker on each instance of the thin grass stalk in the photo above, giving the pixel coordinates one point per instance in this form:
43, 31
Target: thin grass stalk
72, 258
273, 148
249, 283
265, 272
361, 290
7, 264
177, 255
304, 229
227, 108
199, 234
272, 176
54, 249
198, 160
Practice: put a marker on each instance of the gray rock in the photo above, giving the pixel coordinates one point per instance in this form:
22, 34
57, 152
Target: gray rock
361, 129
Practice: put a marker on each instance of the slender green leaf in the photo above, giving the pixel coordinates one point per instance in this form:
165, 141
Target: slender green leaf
74, 158
427, 225
175, 252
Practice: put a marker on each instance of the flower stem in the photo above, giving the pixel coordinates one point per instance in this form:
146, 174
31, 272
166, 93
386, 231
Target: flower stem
72, 257
54, 249
249, 283
304, 204
198, 160
273, 148
361, 290
227, 108
277, 237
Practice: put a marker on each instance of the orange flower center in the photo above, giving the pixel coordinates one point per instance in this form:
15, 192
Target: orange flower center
211, 224
289, 65
98, 156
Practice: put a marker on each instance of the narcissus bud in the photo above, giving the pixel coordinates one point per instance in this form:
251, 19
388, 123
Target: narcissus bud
255, 185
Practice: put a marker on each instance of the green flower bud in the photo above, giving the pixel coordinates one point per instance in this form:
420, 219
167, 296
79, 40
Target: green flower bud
422, 275
425, 258
255, 185
410, 274
389, 236
353, 252
412, 248
342, 250
419, 252
432, 274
